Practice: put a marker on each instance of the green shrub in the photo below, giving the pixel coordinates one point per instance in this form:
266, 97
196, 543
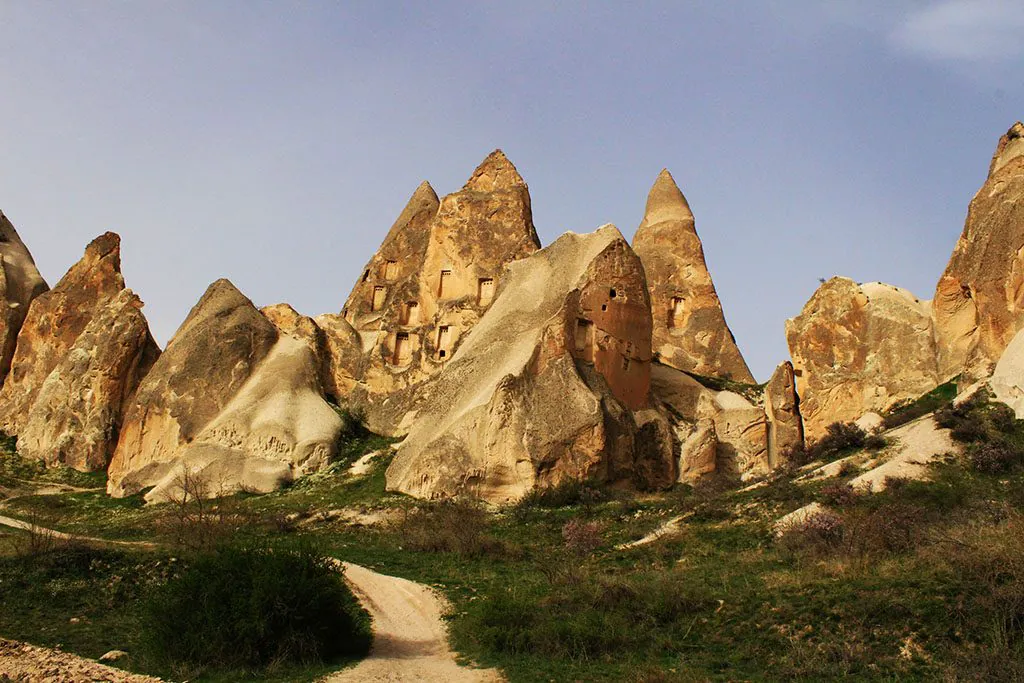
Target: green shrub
928, 403
246, 608
591, 617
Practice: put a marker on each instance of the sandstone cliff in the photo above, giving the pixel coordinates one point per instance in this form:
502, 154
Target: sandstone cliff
690, 332
435, 274
979, 300
80, 355
552, 384
860, 348
20, 283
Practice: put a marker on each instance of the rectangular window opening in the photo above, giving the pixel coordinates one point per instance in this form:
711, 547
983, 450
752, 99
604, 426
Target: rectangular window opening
403, 350
485, 291
379, 293
444, 284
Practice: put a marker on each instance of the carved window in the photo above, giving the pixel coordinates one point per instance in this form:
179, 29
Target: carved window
377, 302
585, 339
485, 291
676, 312
410, 314
390, 270
444, 341
444, 284
403, 349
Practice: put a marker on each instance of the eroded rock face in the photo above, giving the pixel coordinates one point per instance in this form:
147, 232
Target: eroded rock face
206, 363
979, 300
690, 332
860, 348
20, 283
545, 388
1007, 381
263, 419
76, 416
698, 452
54, 321
81, 354
782, 408
436, 273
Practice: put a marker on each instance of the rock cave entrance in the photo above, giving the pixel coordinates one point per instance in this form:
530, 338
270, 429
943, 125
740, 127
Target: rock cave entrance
676, 311
444, 284
485, 291
377, 302
444, 342
410, 313
585, 339
403, 349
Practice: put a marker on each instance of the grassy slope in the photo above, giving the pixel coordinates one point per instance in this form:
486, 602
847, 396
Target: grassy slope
908, 591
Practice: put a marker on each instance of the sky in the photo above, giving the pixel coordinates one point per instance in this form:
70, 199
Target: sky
274, 143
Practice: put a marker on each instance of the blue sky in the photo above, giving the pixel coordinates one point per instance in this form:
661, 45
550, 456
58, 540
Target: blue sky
275, 143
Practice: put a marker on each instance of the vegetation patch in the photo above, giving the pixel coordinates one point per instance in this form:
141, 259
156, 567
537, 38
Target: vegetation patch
936, 398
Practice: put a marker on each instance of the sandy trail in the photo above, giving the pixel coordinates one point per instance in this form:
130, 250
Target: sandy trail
410, 641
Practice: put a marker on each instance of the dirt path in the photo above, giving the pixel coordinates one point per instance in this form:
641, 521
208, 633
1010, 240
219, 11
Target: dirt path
26, 663
61, 536
410, 641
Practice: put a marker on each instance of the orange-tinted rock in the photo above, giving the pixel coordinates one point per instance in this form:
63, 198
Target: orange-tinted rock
81, 354
546, 387
20, 283
690, 332
435, 274
782, 408
53, 324
77, 414
860, 348
979, 300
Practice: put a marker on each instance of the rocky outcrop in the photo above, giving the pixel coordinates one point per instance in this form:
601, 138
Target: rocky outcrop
342, 358
690, 332
81, 353
77, 414
435, 274
698, 452
860, 348
1007, 381
979, 300
206, 363
20, 283
261, 419
545, 388
782, 409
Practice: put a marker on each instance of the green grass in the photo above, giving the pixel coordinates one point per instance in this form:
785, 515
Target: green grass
928, 403
751, 392
921, 584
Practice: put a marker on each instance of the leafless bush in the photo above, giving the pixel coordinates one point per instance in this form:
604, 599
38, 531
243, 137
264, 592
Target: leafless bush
200, 515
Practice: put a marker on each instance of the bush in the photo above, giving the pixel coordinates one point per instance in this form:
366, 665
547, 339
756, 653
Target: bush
840, 438
595, 616
449, 527
249, 608
562, 495
838, 494
992, 458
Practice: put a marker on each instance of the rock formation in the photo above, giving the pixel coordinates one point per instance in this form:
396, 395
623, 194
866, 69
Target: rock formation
20, 283
860, 348
782, 408
205, 364
76, 416
80, 355
979, 300
1007, 381
434, 275
261, 419
690, 332
546, 387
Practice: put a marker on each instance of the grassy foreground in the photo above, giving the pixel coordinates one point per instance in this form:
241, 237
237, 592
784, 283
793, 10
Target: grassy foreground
922, 582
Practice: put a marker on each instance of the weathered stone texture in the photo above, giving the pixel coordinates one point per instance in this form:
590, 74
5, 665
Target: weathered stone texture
782, 408
543, 390
860, 348
690, 332
76, 417
979, 300
205, 364
20, 283
436, 273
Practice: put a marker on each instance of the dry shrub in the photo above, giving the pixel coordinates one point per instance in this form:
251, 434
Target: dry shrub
856, 534
839, 494
451, 527
200, 516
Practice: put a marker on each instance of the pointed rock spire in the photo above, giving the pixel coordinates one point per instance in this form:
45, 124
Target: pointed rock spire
665, 202
495, 172
977, 300
690, 332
